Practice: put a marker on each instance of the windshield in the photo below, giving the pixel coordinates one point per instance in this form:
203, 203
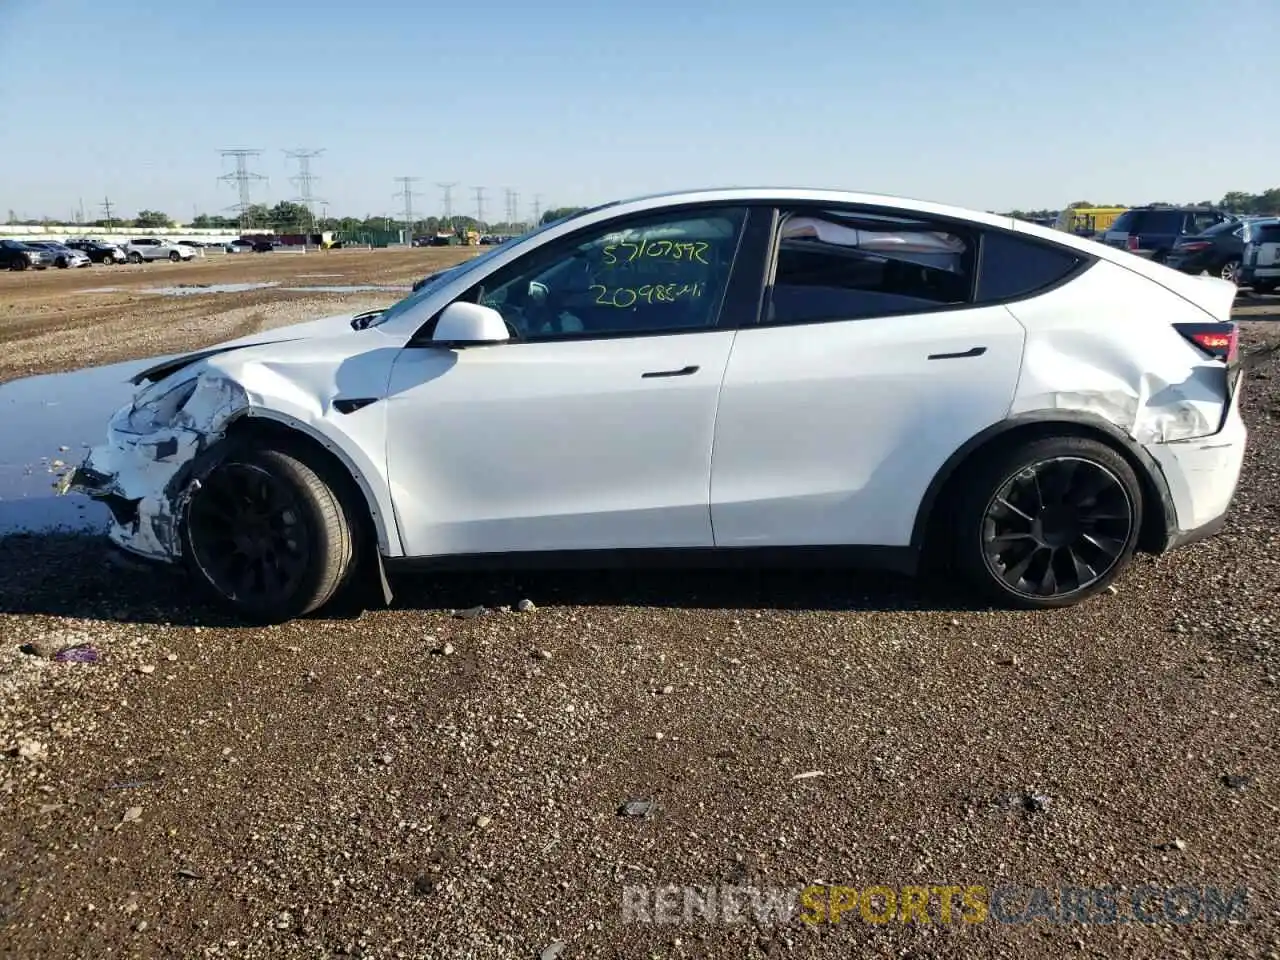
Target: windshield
450, 274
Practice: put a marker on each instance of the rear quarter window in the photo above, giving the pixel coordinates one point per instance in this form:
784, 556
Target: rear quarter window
1012, 266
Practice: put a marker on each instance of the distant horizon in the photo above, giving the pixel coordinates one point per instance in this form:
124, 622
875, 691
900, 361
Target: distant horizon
983, 106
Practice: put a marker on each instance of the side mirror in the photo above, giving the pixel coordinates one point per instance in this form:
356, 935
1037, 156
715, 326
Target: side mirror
464, 324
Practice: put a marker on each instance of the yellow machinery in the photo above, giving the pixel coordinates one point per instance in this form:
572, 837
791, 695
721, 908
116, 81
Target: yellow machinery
1088, 220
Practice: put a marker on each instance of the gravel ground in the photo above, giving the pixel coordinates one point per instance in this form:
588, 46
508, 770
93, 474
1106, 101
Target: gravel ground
425, 782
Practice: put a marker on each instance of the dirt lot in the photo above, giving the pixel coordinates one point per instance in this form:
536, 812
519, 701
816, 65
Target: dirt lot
54, 320
414, 782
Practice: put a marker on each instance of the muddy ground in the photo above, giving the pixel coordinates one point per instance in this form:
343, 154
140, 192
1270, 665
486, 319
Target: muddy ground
422, 782
53, 320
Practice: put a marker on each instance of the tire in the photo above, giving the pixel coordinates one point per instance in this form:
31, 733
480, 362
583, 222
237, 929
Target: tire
1230, 271
61, 263
134, 258
175, 256
320, 536
18, 264
1264, 286
1052, 556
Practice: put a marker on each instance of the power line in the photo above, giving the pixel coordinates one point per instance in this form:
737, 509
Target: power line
406, 194
537, 208
106, 211
305, 179
447, 188
479, 192
242, 177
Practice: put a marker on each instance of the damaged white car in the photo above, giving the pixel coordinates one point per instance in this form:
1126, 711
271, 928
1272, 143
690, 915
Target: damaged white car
791, 375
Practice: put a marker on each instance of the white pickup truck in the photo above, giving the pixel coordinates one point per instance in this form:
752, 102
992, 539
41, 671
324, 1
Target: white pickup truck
153, 248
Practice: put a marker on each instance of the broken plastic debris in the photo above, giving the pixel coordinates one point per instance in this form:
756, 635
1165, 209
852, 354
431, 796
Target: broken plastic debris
640, 807
80, 653
133, 813
553, 950
809, 774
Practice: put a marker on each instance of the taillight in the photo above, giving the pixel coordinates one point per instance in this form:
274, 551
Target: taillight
1131, 242
1221, 340
1194, 246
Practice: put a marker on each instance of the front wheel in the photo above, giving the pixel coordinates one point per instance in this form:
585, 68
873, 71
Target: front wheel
267, 535
175, 256
135, 258
1048, 523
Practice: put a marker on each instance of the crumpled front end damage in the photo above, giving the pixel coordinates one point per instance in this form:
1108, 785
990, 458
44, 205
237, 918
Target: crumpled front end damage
143, 473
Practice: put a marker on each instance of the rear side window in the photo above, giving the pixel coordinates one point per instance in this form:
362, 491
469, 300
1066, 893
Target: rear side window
1268, 233
1017, 267
847, 266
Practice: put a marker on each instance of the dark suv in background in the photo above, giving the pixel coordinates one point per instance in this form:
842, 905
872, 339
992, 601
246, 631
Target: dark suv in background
1154, 231
1217, 251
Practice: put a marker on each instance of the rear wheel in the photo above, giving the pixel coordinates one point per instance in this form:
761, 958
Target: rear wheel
1230, 271
135, 258
267, 535
1264, 286
1048, 523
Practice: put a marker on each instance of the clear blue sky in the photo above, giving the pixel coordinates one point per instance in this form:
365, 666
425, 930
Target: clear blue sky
982, 103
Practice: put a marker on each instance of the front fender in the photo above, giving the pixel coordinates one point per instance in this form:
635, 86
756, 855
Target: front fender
369, 476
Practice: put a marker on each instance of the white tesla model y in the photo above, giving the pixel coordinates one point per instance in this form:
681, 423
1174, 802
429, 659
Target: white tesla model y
763, 373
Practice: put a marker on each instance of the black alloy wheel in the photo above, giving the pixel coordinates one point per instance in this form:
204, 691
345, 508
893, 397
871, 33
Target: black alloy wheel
268, 534
1057, 526
1049, 523
248, 534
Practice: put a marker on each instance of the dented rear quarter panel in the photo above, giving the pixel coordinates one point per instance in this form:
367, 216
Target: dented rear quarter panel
1105, 344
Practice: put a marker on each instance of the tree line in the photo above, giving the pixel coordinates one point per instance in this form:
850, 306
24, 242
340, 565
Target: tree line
1266, 203
290, 217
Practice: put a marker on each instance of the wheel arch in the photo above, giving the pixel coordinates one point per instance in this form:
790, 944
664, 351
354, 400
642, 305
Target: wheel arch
374, 503
1159, 516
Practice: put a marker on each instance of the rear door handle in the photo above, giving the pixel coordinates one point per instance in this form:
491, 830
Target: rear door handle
682, 372
971, 352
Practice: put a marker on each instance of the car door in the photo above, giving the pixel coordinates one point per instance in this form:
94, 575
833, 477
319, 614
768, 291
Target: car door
870, 366
593, 429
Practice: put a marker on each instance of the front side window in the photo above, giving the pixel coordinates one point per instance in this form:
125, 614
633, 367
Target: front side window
667, 273
847, 266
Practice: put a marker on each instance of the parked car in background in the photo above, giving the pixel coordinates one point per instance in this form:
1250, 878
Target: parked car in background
16, 255
153, 248
239, 245
61, 255
1006, 427
1217, 251
1260, 267
98, 251
1153, 231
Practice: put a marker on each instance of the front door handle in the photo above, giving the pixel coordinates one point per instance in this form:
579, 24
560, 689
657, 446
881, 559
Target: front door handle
682, 372
971, 352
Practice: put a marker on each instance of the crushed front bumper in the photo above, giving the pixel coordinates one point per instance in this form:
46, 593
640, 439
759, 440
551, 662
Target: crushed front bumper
144, 479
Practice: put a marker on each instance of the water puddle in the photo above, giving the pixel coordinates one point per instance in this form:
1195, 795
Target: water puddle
194, 289
190, 289
47, 425
353, 288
